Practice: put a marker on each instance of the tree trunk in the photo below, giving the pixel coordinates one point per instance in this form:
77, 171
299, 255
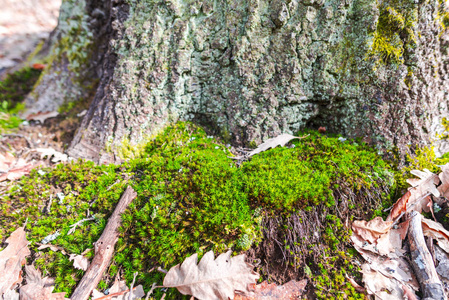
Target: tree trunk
251, 69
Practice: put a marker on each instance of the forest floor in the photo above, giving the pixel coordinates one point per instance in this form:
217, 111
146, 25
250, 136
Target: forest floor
292, 211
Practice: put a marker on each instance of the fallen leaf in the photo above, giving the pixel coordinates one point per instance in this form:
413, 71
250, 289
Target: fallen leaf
380, 285
119, 291
291, 290
211, 279
399, 207
6, 161
426, 183
38, 288
55, 156
38, 66
372, 230
42, 116
12, 258
322, 129
79, 262
444, 177
10, 295
13, 168
436, 231
390, 242
280, 140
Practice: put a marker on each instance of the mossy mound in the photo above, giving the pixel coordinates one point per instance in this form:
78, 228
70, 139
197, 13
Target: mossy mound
192, 198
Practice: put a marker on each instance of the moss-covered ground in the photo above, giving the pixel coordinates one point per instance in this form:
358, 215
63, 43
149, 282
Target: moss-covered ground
192, 197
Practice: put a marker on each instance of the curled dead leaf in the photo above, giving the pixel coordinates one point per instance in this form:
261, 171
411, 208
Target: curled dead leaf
280, 140
79, 262
437, 231
372, 230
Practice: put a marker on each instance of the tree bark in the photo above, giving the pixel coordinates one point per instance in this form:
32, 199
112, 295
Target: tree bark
253, 69
104, 249
422, 261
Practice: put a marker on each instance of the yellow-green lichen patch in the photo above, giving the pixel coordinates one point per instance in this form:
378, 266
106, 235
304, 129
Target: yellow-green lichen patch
395, 31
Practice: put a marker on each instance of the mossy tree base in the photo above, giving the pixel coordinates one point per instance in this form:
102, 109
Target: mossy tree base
288, 205
250, 69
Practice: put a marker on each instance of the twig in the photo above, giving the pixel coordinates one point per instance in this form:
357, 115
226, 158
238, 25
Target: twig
422, 261
79, 223
150, 291
132, 286
104, 249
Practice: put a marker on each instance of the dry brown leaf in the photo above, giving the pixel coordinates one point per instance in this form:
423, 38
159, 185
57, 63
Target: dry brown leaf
291, 290
280, 140
426, 183
380, 285
211, 279
390, 242
399, 207
52, 248
119, 291
79, 262
6, 161
436, 231
444, 177
12, 258
38, 288
415, 199
20, 169
372, 230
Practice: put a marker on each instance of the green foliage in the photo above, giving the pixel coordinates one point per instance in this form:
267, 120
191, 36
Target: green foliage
191, 198
13, 90
17, 85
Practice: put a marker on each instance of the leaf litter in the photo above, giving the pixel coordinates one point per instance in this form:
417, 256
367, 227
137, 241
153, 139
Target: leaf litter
386, 272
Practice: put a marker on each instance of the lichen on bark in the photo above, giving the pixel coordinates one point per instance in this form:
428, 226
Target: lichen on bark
253, 69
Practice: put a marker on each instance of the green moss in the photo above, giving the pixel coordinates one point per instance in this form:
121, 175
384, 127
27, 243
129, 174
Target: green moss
13, 90
394, 35
291, 179
17, 85
191, 198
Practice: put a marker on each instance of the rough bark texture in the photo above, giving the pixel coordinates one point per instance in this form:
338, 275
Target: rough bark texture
251, 69
104, 249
